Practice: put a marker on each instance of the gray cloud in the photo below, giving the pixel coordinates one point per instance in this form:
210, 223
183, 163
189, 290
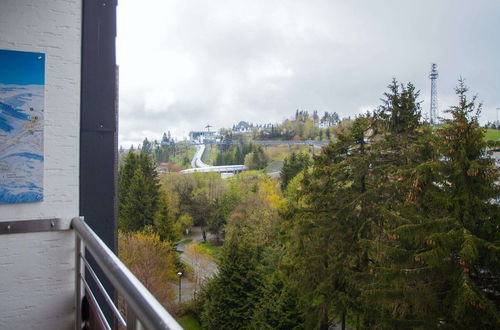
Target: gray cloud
186, 63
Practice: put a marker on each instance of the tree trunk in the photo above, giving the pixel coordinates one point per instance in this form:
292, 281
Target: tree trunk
324, 325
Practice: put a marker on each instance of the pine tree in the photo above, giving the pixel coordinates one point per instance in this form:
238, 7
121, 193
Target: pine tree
137, 191
334, 203
401, 111
257, 159
148, 168
137, 209
126, 173
467, 248
222, 206
292, 165
164, 220
146, 146
278, 307
230, 297
439, 264
347, 205
390, 297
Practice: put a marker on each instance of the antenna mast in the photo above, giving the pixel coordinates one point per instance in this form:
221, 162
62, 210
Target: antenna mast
434, 104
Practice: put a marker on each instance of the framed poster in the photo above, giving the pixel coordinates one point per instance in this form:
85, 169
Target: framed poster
22, 84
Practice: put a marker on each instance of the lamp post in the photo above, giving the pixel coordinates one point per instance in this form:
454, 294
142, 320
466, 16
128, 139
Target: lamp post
497, 124
180, 275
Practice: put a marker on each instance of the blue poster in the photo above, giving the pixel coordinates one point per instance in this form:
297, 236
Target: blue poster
22, 84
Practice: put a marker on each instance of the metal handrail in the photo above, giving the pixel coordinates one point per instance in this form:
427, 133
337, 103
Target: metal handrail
148, 311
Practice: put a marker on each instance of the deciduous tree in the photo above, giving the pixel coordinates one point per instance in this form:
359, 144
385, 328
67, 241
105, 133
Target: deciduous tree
151, 260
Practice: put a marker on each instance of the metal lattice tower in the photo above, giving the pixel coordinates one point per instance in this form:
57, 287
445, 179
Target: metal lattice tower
434, 102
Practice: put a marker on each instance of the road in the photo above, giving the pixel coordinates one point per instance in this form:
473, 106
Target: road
199, 166
196, 162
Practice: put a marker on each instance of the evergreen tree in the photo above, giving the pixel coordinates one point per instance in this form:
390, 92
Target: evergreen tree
345, 208
148, 168
467, 248
438, 266
230, 297
126, 173
292, 165
240, 157
164, 220
136, 212
334, 203
222, 207
137, 191
257, 159
335, 118
401, 111
400, 144
278, 308
146, 146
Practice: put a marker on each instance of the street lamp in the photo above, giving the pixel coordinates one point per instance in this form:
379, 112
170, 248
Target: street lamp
180, 275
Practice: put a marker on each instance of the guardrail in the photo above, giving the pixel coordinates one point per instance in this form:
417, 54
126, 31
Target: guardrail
143, 310
220, 169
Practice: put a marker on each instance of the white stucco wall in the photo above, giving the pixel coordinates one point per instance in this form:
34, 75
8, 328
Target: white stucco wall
37, 270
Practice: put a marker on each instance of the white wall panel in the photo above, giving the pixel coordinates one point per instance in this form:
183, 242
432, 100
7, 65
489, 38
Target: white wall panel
37, 270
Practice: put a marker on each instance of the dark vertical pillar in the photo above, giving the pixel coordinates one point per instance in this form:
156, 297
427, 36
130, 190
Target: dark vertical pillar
98, 126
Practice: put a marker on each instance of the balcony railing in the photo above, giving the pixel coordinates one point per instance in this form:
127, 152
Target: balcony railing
142, 309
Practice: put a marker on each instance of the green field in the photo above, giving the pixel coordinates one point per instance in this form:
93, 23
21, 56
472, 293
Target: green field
492, 135
281, 152
214, 250
183, 152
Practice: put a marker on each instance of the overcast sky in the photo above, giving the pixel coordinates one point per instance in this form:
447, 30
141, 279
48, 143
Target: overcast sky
185, 64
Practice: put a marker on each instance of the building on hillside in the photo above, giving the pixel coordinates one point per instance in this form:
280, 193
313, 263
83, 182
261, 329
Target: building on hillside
204, 136
242, 127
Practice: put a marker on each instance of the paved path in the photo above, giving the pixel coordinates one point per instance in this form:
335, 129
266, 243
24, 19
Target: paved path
208, 268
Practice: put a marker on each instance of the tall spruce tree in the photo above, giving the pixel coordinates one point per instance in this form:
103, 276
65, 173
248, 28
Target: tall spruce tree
138, 191
466, 250
148, 168
334, 203
229, 299
278, 306
390, 297
292, 165
164, 220
126, 173
136, 212
438, 266
348, 204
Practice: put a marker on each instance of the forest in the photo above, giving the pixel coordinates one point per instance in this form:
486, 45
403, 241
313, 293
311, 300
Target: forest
393, 225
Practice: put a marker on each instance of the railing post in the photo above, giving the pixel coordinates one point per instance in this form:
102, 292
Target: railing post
131, 319
133, 323
78, 284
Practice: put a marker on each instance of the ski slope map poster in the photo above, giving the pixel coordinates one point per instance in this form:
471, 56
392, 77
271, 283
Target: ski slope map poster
22, 84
